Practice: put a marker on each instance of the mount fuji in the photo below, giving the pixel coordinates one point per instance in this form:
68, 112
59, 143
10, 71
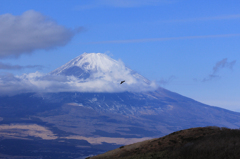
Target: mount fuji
93, 112
94, 65
103, 70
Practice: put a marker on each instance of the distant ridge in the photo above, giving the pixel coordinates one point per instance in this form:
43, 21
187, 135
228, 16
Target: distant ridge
194, 143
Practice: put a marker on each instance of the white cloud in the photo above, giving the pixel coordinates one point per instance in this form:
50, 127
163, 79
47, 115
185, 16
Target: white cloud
38, 82
93, 72
29, 32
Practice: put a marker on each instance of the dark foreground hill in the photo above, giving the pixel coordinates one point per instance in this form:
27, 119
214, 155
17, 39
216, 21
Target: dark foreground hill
194, 143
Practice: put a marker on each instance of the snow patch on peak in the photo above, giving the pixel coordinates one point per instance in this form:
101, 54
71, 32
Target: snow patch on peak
91, 62
94, 66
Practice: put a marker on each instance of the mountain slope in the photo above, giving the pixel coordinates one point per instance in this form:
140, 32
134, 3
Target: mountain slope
127, 114
194, 143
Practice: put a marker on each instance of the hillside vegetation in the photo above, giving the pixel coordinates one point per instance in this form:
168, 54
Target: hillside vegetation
194, 143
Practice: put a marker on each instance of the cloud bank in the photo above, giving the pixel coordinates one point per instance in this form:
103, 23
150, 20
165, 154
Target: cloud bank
89, 72
41, 83
218, 66
29, 32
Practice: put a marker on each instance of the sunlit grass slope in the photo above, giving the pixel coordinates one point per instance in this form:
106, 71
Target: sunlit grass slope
194, 143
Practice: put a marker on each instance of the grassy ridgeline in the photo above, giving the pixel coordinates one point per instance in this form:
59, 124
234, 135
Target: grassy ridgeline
194, 143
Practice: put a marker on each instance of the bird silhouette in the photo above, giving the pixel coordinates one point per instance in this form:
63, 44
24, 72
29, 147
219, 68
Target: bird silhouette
122, 82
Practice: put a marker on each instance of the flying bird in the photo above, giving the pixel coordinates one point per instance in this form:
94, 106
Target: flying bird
122, 82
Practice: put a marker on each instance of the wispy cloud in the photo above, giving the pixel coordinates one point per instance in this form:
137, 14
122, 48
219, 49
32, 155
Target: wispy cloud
223, 64
121, 3
18, 67
29, 32
132, 3
164, 82
211, 18
163, 39
218, 66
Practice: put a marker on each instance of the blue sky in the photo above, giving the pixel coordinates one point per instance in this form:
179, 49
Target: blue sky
188, 47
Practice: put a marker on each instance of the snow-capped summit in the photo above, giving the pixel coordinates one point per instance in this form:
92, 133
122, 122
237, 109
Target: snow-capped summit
89, 62
98, 66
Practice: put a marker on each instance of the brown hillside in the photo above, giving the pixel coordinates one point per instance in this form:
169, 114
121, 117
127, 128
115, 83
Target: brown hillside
194, 143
